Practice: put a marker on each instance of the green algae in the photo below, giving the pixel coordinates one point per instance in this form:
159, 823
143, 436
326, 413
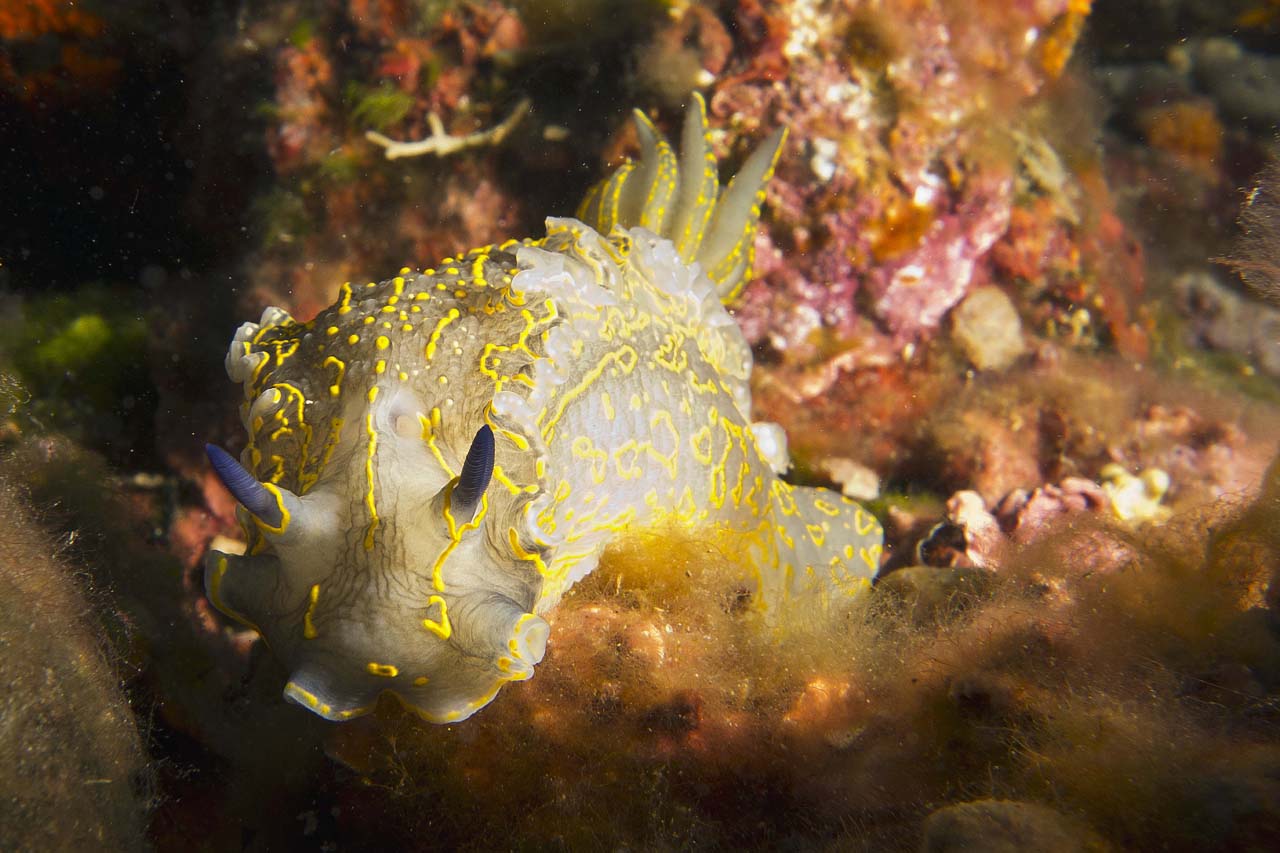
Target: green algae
341, 167
302, 33
378, 108
76, 363
282, 217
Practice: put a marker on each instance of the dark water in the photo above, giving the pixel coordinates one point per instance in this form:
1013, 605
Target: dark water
1055, 655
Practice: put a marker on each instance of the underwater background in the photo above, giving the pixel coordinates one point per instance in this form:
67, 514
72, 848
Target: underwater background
1016, 289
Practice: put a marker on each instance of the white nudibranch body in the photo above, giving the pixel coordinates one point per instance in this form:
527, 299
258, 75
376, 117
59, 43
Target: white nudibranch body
436, 458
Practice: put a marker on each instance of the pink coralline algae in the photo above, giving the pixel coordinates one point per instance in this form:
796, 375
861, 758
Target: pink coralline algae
896, 183
1027, 515
1070, 517
913, 292
304, 85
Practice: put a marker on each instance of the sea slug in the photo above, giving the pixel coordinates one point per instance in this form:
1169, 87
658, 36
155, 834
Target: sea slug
435, 459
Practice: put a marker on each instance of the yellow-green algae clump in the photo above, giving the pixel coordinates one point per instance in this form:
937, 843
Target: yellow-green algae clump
1134, 695
81, 360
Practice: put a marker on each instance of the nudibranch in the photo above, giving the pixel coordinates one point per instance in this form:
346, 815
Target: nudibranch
436, 458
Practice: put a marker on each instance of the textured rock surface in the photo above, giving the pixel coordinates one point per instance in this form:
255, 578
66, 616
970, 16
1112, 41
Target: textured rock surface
1003, 826
69, 752
987, 329
1225, 319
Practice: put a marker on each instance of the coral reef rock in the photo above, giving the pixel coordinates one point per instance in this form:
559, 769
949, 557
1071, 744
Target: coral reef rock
987, 329
1224, 319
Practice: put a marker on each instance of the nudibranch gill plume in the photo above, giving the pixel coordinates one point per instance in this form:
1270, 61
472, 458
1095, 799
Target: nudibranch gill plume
436, 458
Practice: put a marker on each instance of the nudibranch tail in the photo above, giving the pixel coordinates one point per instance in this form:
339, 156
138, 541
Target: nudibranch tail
684, 203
